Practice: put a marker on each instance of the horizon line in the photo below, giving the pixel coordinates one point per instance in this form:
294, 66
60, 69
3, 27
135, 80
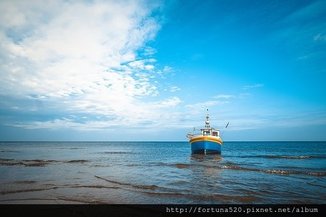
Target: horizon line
1, 141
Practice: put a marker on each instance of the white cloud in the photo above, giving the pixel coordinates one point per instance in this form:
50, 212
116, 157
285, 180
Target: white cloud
66, 123
83, 58
320, 37
224, 96
244, 95
216, 100
174, 89
246, 87
202, 106
148, 51
268, 121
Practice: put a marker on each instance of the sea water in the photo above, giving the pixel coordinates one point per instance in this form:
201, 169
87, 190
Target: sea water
161, 173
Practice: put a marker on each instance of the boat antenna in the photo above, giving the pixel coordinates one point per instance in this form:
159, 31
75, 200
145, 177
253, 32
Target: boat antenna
227, 125
207, 121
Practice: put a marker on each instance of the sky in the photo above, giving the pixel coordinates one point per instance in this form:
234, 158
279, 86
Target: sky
133, 70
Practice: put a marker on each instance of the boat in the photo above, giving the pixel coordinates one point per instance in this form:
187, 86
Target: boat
207, 141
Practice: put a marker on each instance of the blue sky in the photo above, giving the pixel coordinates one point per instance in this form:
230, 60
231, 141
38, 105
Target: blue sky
147, 70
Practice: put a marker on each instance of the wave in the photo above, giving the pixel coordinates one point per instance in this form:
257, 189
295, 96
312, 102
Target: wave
116, 152
8, 151
92, 186
34, 163
173, 193
76, 161
232, 166
25, 182
27, 190
79, 200
294, 157
27, 163
149, 187
181, 165
276, 171
28, 200
273, 171
46, 187
314, 184
69, 148
297, 172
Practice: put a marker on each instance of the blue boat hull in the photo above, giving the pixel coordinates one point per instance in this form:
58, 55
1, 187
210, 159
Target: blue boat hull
205, 147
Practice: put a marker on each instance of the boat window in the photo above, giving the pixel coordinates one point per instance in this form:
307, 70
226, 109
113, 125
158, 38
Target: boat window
206, 133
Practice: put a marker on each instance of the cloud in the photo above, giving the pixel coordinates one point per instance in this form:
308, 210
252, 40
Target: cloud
81, 58
320, 37
312, 10
247, 87
224, 96
202, 106
264, 120
174, 89
301, 32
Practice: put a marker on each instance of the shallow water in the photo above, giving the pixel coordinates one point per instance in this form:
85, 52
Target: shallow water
162, 172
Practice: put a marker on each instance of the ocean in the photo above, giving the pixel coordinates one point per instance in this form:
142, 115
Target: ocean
162, 173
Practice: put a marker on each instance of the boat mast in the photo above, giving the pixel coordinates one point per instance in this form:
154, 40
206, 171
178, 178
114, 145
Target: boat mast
207, 126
